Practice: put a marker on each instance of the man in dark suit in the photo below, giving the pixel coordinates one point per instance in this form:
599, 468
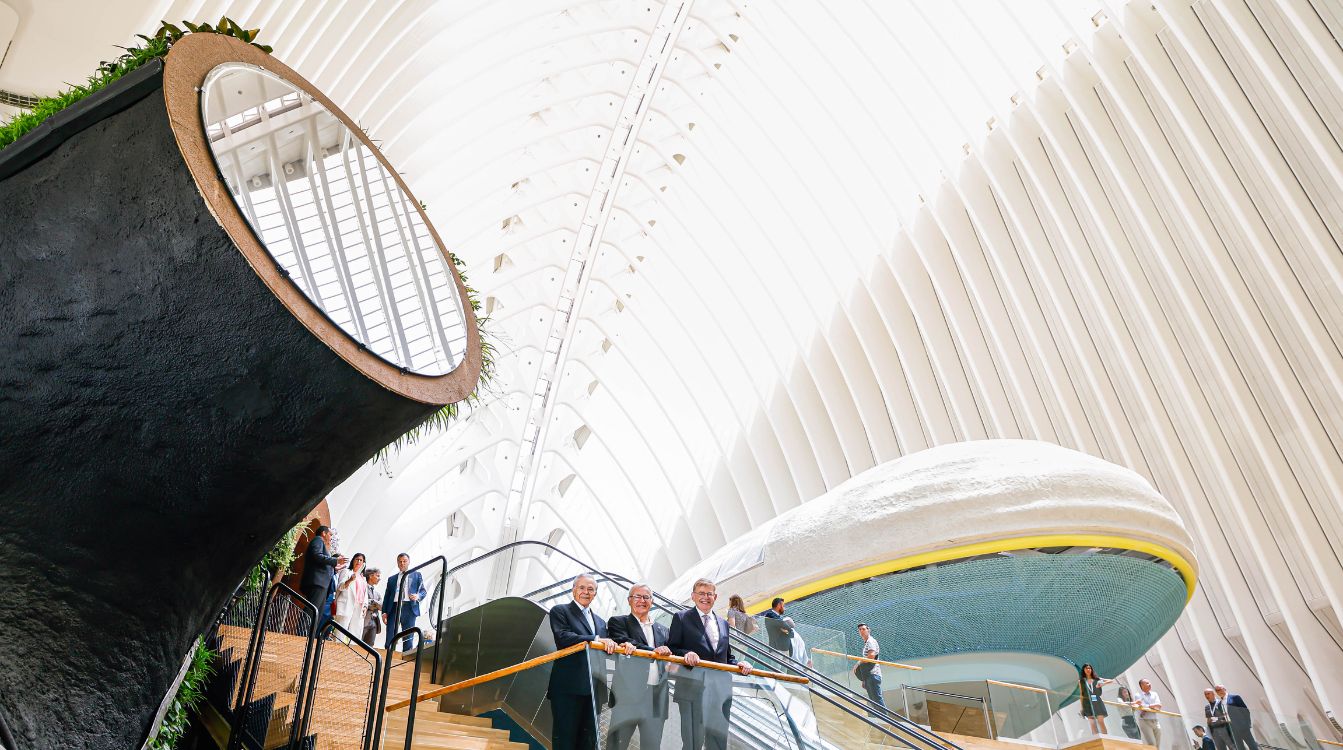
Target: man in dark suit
780, 634
704, 696
1219, 721
572, 709
319, 566
639, 695
1239, 714
401, 603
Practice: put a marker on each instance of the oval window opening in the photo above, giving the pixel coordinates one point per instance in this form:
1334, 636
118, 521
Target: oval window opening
334, 219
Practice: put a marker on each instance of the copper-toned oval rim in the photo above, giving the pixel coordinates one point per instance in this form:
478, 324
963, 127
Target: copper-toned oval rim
188, 63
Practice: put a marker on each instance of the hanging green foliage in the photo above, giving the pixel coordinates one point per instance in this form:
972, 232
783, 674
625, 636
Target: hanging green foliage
153, 48
280, 557
189, 694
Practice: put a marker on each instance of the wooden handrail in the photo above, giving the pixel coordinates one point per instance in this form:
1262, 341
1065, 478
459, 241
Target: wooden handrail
1329, 742
1018, 687
488, 676
895, 664
1148, 710
706, 664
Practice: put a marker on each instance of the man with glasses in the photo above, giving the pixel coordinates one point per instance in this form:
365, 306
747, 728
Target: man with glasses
572, 706
704, 696
639, 692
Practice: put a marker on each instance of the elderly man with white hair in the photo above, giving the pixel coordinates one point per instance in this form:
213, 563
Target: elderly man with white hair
573, 717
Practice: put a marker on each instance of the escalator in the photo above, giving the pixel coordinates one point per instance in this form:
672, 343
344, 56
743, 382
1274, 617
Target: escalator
799, 708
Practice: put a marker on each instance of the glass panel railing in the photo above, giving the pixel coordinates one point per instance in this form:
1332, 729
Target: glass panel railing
1020, 712
664, 704
945, 712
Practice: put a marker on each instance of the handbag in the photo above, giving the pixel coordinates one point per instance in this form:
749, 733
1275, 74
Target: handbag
864, 670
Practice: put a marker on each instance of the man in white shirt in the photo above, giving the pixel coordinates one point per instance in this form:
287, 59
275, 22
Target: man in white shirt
1148, 703
639, 691
704, 696
867, 672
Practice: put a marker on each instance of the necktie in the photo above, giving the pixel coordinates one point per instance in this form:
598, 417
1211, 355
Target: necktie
587, 617
711, 628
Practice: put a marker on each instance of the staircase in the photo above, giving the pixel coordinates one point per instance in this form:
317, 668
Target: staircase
342, 702
435, 729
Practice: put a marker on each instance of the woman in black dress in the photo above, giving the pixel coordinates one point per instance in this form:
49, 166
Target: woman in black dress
1093, 707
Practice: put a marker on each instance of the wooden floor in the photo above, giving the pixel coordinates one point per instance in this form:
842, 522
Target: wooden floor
343, 698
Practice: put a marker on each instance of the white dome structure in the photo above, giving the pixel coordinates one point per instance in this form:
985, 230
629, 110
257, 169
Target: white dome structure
947, 503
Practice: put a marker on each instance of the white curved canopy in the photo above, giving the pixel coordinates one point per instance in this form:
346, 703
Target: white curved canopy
734, 253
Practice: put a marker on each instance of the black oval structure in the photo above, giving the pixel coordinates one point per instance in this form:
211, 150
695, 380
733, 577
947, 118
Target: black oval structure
169, 407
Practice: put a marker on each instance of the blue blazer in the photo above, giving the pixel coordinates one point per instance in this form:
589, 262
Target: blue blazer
414, 585
570, 675
687, 634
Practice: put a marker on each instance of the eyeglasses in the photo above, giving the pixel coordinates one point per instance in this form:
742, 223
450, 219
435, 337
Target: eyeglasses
641, 597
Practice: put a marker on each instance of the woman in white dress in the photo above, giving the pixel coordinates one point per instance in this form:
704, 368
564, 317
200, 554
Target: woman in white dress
352, 595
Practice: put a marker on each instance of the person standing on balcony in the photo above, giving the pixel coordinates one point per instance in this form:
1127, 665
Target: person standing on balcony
639, 694
869, 673
319, 567
1128, 721
1239, 713
704, 696
737, 617
780, 633
401, 603
1093, 705
352, 595
1147, 702
372, 622
572, 701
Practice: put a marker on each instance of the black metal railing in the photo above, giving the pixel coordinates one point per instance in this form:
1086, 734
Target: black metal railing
285, 632
380, 706
341, 704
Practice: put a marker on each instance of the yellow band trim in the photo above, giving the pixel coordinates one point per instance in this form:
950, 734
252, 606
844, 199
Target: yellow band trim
948, 554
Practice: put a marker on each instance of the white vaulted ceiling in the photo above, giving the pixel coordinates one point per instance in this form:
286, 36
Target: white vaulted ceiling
734, 253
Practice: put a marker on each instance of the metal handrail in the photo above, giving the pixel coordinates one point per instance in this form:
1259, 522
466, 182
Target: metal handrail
370, 738
254, 662
401, 588
870, 708
387, 680
662, 602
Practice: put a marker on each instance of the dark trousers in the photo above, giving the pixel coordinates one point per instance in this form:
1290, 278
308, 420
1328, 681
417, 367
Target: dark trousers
1241, 736
572, 724
706, 710
1221, 737
636, 708
873, 685
398, 620
319, 595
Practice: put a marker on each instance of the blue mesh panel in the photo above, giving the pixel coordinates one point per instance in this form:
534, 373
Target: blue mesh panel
1098, 608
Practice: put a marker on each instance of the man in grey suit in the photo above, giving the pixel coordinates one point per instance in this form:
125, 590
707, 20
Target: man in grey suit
639, 692
319, 566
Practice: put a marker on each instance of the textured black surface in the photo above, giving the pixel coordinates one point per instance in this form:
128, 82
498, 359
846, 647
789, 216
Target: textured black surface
164, 420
